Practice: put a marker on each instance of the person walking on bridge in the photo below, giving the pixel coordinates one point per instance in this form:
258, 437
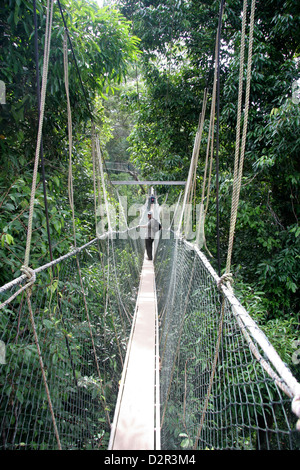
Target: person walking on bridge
152, 227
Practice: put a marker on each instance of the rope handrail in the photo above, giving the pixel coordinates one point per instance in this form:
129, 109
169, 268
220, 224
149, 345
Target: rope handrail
233, 370
284, 379
89, 345
35, 271
251, 326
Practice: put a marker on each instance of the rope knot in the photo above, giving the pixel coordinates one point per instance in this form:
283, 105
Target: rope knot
296, 410
227, 277
31, 276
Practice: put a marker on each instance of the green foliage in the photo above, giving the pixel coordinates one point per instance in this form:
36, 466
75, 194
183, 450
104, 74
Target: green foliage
102, 43
266, 244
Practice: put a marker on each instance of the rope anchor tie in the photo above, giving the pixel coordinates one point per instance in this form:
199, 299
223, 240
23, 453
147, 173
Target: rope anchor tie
29, 272
225, 278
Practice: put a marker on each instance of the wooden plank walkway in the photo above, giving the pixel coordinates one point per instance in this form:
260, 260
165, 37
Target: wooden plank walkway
136, 424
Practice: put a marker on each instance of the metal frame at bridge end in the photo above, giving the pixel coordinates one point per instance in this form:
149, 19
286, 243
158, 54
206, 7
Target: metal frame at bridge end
151, 183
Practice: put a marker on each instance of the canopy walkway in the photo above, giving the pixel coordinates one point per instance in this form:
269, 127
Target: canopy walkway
83, 364
104, 349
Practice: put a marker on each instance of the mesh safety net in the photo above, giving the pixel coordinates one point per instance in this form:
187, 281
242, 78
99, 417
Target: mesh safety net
82, 308
212, 398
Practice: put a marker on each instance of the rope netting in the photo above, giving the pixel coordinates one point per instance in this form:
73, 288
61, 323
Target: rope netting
219, 390
60, 368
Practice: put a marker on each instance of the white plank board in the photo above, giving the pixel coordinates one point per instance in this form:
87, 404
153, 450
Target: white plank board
134, 422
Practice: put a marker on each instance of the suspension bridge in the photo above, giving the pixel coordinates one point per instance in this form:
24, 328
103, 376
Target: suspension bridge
102, 348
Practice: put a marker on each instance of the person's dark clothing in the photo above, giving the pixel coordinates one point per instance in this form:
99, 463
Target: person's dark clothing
152, 227
149, 243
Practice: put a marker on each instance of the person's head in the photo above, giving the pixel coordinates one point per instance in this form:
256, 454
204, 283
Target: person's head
149, 215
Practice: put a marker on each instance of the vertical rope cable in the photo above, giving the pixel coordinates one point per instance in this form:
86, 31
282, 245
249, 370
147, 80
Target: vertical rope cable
238, 175
70, 134
49, 18
217, 133
71, 199
240, 149
41, 119
200, 239
39, 106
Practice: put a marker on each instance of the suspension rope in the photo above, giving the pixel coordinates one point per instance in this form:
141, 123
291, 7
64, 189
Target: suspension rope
237, 182
217, 132
192, 188
240, 148
30, 274
36, 340
23, 277
49, 18
75, 61
70, 135
71, 199
39, 106
191, 181
94, 175
200, 237
193, 166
